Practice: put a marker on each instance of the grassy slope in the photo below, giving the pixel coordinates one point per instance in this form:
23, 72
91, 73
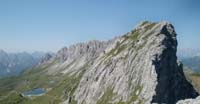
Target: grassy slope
194, 78
63, 88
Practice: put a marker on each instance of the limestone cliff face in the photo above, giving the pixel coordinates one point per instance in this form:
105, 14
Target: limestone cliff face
139, 67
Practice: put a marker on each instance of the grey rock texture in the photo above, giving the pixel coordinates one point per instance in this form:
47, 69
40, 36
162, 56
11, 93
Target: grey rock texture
190, 101
73, 58
90, 50
139, 67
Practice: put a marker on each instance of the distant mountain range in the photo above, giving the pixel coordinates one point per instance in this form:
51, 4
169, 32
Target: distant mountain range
192, 63
15, 63
188, 52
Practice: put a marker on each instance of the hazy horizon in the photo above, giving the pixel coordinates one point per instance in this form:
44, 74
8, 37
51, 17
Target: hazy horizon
48, 26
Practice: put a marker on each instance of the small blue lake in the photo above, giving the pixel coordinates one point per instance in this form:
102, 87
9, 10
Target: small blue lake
34, 92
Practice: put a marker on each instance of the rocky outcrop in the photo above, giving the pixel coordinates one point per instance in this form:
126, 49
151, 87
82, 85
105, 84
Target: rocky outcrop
190, 101
139, 67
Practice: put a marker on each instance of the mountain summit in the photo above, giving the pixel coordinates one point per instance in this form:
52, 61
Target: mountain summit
139, 67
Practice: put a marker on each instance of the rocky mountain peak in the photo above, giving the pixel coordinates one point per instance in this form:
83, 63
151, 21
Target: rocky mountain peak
138, 67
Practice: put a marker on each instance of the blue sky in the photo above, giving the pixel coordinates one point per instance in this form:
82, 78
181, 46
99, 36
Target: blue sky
48, 25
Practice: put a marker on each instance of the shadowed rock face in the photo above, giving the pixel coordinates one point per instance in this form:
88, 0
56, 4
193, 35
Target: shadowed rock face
172, 84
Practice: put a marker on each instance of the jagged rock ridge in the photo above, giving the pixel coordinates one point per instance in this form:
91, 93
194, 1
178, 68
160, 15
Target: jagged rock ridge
90, 50
139, 67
